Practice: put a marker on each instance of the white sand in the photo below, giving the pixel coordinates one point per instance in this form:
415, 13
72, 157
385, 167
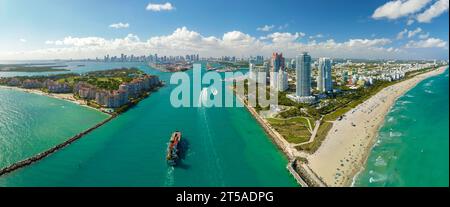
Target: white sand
346, 147
63, 96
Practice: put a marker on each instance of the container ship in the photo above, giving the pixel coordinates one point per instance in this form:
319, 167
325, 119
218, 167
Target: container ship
172, 150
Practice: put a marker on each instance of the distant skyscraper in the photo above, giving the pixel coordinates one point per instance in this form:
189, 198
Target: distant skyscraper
303, 72
277, 62
283, 83
324, 81
278, 66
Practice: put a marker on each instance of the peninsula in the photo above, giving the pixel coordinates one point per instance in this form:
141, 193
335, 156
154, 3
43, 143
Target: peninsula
30, 68
328, 137
346, 147
110, 91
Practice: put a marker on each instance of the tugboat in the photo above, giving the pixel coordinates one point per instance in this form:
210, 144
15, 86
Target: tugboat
172, 150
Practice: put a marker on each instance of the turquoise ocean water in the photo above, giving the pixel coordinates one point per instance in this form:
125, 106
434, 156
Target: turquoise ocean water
225, 147
31, 123
413, 143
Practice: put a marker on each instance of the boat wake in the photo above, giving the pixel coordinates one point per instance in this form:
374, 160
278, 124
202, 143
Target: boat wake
170, 177
210, 146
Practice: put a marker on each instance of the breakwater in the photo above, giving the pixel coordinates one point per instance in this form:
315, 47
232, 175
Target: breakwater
281, 143
42, 155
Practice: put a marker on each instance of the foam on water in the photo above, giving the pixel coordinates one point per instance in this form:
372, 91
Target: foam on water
380, 161
421, 156
395, 134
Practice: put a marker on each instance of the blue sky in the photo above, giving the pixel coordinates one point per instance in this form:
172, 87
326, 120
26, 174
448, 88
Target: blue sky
47, 29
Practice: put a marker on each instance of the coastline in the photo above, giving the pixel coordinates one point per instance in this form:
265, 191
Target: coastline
345, 150
28, 161
299, 170
61, 96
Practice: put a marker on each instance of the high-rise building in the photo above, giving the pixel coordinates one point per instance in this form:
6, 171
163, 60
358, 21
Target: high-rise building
324, 81
277, 62
278, 67
303, 74
283, 83
251, 72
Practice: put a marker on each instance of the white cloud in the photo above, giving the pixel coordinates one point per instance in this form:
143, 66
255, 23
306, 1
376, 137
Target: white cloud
284, 26
424, 36
399, 8
160, 7
410, 33
184, 41
414, 32
78, 42
265, 28
367, 42
317, 36
284, 37
428, 43
435, 10
119, 25
22, 40
409, 22
401, 34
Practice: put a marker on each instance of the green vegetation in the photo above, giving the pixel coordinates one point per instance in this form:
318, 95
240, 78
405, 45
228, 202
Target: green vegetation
31, 68
350, 99
294, 130
292, 123
321, 135
243, 64
104, 79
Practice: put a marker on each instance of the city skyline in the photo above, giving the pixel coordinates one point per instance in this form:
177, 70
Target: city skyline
381, 29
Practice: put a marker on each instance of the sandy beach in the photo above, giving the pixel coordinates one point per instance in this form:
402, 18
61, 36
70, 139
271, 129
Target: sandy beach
62, 96
346, 148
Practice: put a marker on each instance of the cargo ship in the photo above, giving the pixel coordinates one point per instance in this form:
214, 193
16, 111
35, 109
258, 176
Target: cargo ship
173, 148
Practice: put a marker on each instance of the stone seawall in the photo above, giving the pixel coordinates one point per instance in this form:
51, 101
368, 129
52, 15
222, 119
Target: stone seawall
281, 143
50, 151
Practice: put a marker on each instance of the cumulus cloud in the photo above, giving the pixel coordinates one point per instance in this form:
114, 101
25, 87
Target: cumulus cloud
401, 34
160, 7
367, 42
284, 26
424, 36
317, 36
428, 43
265, 28
184, 41
435, 10
399, 8
412, 33
119, 25
284, 37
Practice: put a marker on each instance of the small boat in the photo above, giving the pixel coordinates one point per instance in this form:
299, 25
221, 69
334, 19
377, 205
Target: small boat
173, 148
